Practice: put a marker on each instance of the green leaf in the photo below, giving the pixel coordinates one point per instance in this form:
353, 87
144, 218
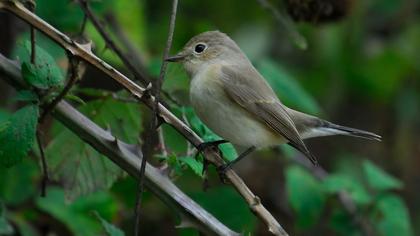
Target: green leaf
305, 196
26, 96
5, 227
17, 135
45, 73
4, 116
391, 216
335, 183
75, 98
286, 87
79, 167
109, 228
379, 179
193, 164
343, 223
77, 216
228, 207
12, 179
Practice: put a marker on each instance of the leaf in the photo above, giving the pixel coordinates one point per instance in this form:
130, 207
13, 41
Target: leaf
25, 174
392, 216
5, 227
286, 87
4, 116
109, 228
76, 216
343, 223
79, 167
75, 98
379, 179
193, 164
335, 183
17, 135
228, 207
45, 73
305, 196
26, 96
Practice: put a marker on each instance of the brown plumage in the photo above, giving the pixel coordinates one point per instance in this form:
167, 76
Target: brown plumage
233, 99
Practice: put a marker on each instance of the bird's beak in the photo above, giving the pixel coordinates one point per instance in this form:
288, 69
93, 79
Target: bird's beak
177, 58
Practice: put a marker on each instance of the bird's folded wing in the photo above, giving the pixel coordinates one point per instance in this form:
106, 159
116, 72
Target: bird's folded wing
248, 88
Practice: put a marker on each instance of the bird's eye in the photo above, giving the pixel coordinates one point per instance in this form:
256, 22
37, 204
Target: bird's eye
199, 48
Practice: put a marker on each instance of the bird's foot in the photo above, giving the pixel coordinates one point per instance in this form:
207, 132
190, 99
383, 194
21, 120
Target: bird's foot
205, 145
221, 170
200, 149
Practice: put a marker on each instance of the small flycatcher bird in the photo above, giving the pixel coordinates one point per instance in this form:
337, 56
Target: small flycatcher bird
234, 100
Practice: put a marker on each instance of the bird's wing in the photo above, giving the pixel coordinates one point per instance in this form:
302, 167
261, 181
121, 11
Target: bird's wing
248, 88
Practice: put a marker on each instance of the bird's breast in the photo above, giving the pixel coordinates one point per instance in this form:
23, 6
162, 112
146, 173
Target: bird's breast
225, 117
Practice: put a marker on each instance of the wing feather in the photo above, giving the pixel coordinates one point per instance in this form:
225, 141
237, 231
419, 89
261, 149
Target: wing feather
248, 88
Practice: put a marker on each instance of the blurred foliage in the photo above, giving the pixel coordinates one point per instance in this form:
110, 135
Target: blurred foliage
361, 67
17, 135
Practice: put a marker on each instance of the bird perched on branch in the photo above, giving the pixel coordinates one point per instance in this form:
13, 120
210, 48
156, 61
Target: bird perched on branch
234, 100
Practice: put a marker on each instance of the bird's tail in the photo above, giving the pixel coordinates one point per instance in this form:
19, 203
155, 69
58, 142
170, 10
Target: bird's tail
310, 126
332, 129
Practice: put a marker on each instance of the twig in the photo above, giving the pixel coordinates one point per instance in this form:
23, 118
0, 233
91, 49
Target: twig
284, 20
31, 6
83, 26
154, 124
111, 44
211, 155
73, 75
139, 193
131, 52
126, 157
162, 146
44, 165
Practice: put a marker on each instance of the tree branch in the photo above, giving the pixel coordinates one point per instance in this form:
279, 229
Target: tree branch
212, 156
125, 156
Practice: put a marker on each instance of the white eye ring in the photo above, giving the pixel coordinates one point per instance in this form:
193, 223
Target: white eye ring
200, 47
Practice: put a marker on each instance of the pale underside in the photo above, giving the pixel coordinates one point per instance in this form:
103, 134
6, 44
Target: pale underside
226, 117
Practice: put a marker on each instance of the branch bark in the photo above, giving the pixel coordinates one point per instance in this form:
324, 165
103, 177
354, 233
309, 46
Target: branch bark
137, 91
125, 156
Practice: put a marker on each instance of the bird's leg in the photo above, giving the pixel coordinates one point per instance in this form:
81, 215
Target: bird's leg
222, 169
200, 149
203, 146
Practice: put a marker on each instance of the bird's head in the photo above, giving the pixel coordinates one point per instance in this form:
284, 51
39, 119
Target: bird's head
206, 48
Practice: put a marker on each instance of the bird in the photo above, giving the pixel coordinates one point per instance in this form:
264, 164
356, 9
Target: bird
234, 100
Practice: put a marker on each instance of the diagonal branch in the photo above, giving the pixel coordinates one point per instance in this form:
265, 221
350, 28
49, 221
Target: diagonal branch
125, 156
137, 91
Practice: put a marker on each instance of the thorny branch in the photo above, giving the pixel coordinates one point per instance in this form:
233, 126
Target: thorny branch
212, 156
127, 157
74, 74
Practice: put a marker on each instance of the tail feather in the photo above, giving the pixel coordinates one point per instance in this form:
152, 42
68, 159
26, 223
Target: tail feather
338, 129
